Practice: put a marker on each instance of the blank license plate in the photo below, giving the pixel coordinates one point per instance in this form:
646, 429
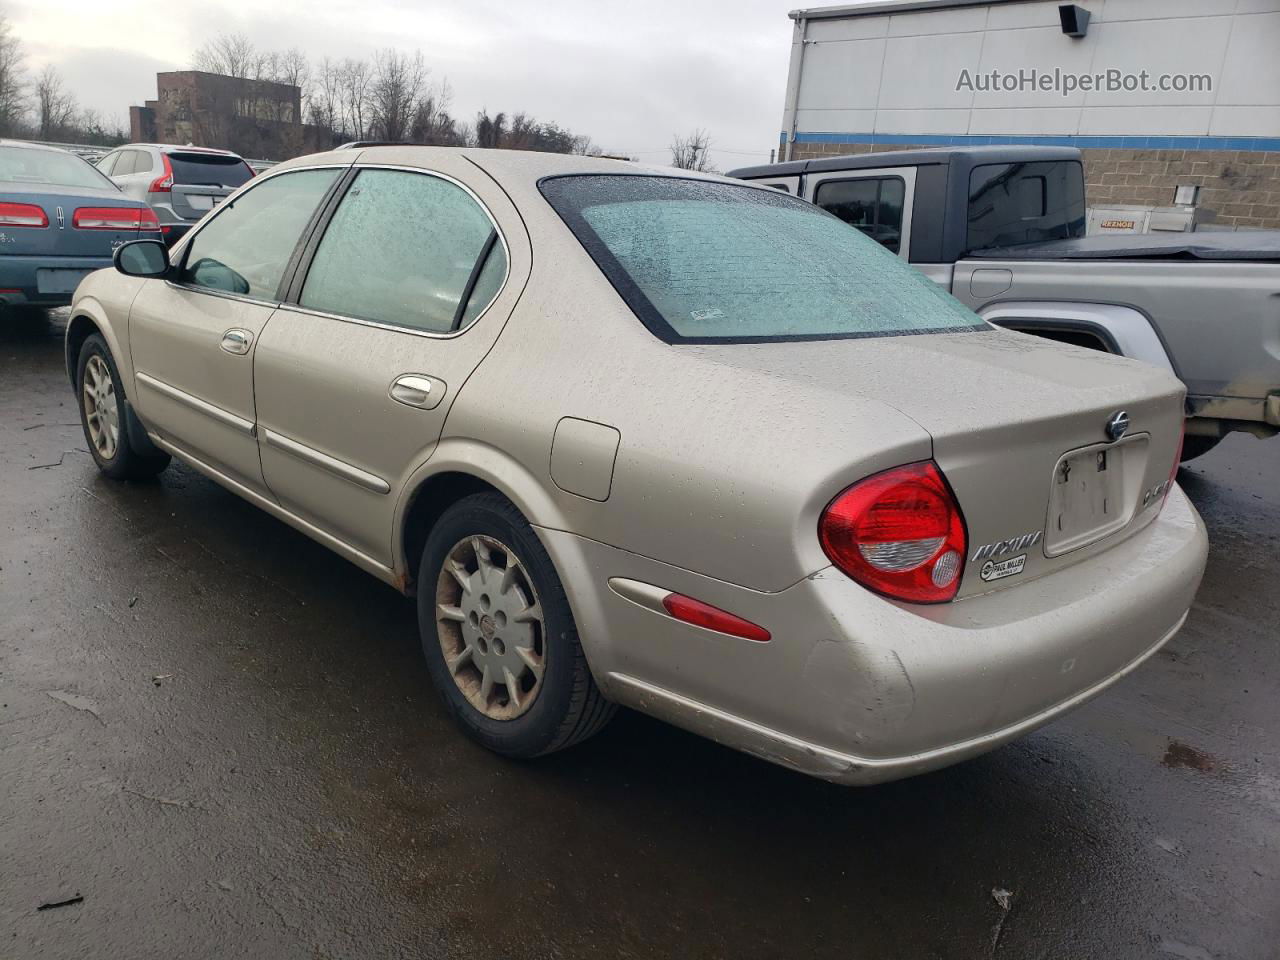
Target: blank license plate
200, 203
59, 281
1089, 497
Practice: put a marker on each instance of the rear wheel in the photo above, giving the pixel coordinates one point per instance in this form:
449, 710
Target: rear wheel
498, 634
102, 414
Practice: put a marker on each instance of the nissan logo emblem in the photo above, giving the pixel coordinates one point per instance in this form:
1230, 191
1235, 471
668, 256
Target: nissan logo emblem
1118, 425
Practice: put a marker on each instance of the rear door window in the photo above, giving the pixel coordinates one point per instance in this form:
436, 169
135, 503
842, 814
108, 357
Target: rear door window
872, 204
125, 164
1017, 203
209, 170
106, 163
407, 249
247, 246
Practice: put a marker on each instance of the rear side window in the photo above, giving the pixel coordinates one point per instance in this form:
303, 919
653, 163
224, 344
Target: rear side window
1016, 203
707, 262
872, 204
209, 170
247, 245
106, 163
126, 164
407, 249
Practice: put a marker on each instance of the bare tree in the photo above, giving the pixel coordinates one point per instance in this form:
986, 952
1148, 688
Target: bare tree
432, 122
55, 105
13, 86
690, 153
231, 54
355, 79
399, 83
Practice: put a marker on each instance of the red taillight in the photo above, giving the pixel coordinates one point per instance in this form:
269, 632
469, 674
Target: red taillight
712, 618
1177, 462
114, 218
164, 182
22, 215
899, 532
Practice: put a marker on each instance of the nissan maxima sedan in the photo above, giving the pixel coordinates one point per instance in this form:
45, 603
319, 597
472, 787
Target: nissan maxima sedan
642, 437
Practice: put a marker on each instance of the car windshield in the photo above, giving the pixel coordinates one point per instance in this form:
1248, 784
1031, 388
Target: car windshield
54, 167
209, 170
702, 261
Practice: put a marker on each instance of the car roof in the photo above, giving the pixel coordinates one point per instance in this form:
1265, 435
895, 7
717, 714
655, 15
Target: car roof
965, 156
178, 148
527, 165
23, 144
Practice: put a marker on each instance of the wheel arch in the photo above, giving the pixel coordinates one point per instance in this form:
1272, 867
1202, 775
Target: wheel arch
87, 318
1119, 329
458, 468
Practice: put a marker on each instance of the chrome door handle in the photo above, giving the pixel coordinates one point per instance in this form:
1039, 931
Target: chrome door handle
417, 390
237, 341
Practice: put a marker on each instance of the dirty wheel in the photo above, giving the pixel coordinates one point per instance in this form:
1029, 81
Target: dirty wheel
102, 414
499, 636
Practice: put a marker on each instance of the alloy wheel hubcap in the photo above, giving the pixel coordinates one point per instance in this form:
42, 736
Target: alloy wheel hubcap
490, 626
101, 412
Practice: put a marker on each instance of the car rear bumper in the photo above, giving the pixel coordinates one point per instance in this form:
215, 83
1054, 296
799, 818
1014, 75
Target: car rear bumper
20, 278
856, 689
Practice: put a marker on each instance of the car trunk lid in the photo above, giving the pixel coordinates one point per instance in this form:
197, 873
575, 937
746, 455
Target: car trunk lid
1019, 427
61, 237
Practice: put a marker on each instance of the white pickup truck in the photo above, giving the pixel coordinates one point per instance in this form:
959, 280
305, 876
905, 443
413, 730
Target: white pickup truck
1003, 229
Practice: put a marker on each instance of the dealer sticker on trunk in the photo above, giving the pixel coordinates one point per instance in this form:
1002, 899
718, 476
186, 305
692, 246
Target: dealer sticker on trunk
999, 569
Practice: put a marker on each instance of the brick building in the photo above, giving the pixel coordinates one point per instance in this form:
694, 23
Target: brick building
892, 74
255, 118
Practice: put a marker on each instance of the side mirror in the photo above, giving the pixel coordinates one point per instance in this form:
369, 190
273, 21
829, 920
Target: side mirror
142, 258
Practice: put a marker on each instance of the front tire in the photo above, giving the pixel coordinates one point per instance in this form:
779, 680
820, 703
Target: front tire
498, 634
102, 415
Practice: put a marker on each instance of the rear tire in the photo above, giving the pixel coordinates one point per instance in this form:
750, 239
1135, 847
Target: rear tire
1197, 446
498, 634
102, 415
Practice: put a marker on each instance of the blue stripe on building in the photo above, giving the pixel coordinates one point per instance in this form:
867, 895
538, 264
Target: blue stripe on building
1083, 142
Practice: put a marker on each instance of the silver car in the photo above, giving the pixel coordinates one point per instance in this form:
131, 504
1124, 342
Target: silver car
636, 436
181, 184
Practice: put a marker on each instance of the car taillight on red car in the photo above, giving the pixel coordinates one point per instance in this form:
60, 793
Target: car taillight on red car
115, 218
22, 215
900, 533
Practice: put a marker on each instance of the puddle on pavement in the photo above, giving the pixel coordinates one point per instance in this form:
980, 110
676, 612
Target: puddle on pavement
1179, 754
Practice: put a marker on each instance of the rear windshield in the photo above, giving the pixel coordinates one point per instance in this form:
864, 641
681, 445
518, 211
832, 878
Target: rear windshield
1016, 203
54, 167
701, 261
208, 170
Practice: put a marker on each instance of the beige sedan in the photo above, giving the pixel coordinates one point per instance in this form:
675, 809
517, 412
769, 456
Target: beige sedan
635, 436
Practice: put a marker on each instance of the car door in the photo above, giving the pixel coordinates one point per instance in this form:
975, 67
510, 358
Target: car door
192, 337
878, 202
406, 289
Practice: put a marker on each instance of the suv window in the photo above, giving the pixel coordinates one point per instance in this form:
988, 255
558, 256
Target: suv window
209, 169
125, 164
872, 204
708, 262
246, 247
407, 249
1016, 203
142, 161
106, 163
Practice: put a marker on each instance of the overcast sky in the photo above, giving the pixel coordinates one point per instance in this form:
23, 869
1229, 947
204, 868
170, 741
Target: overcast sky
628, 74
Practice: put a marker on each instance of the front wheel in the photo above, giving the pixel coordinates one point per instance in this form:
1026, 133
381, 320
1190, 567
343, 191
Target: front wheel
498, 634
102, 415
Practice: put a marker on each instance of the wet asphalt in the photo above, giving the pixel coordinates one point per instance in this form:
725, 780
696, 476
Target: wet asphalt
220, 736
